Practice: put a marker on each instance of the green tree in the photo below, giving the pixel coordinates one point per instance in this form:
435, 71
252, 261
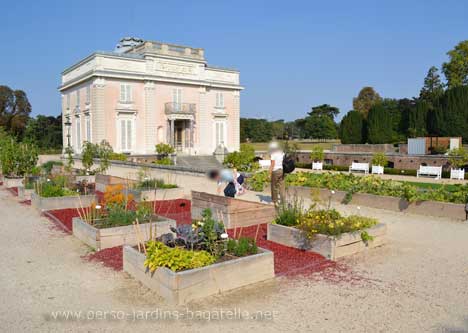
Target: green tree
417, 119
456, 69
366, 98
44, 131
320, 127
278, 129
14, 110
325, 110
433, 86
255, 130
379, 124
352, 128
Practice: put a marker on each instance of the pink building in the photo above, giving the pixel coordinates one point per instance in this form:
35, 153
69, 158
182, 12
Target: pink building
145, 93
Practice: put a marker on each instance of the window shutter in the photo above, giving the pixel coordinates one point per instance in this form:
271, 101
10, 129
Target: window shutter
129, 134
129, 93
88, 94
122, 92
221, 100
123, 140
78, 133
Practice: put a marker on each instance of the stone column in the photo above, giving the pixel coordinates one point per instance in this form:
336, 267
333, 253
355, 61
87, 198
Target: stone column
150, 118
204, 126
191, 133
172, 133
235, 123
98, 119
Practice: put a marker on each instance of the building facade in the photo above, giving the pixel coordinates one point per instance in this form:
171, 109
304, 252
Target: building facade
147, 92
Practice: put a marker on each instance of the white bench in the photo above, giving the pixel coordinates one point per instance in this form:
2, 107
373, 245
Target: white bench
317, 165
362, 167
429, 171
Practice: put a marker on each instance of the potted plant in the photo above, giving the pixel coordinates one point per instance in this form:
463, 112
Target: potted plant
379, 162
317, 157
17, 161
458, 158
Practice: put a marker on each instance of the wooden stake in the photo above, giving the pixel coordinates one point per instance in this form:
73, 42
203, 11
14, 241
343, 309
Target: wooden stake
256, 233
136, 235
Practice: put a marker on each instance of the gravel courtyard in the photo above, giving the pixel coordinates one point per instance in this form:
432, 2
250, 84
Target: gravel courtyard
418, 282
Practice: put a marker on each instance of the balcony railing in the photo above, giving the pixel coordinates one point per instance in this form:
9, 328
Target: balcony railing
187, 108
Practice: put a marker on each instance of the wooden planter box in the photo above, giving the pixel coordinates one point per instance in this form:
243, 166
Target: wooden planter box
100, 239
24, 193
102, 181
427, 208
9, 182
186, 286
457, 174
235, 212
331, 247
157, 194
62, 202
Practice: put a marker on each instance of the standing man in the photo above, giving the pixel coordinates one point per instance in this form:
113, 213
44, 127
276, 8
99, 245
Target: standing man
276, 173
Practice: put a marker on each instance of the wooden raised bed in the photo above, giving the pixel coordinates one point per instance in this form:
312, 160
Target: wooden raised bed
9, 182
24, 193
427, 208
73, 201
331, 247
125, 235
235, 212
186, 286
102, 181
157, 194
89, 179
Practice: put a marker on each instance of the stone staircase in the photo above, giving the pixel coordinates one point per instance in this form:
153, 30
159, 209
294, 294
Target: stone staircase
200, 163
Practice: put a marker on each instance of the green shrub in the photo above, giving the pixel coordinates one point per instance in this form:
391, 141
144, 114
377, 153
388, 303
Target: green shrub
379, 159
117, 157
317, 154
242, 160
164, 161
289, 214
242, 247
458, 158
153, 183
258, 181
164, 149
176, 259
119, 215
47, 166
17, 159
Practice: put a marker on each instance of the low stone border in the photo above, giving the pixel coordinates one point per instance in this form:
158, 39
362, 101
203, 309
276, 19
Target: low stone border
100, 239
186, 286
24, 193
157, 194
427, 208
331, 247
234, 212
62, 202
12, 182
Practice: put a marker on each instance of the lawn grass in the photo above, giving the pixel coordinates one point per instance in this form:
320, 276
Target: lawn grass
303, 145
433, 186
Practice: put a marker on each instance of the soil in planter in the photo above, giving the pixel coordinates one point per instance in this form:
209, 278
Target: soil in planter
103, 224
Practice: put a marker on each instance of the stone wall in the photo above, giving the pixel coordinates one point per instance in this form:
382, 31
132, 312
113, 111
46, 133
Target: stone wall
364, 148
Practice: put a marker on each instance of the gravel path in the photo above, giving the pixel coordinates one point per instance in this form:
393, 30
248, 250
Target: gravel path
418, 282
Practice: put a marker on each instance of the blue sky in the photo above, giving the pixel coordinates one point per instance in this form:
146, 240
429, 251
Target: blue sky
292, 54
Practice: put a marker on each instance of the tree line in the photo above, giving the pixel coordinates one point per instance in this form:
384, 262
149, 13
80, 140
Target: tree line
441, 109
43, 131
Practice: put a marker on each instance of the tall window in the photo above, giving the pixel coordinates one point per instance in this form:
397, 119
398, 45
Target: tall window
126, 133
177, 98
68, 101
219, 100
88, 128
220, 133
88, 94
125, 93
78, 132
78, 98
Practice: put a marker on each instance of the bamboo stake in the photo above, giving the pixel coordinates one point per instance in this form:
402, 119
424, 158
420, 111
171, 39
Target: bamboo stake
240, 232
256, 233
136, 235
140, 236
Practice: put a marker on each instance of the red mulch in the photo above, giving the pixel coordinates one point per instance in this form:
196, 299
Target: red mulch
26, 202
64, 217
13, 190
178, 209
292, 262
111, 257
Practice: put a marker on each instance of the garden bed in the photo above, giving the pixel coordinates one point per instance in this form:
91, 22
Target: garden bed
185, 286
54, 203
90, 179
427, 208
331, 247
9, 182
25, 193
103, 238
102, 181
156, 194
234, 212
